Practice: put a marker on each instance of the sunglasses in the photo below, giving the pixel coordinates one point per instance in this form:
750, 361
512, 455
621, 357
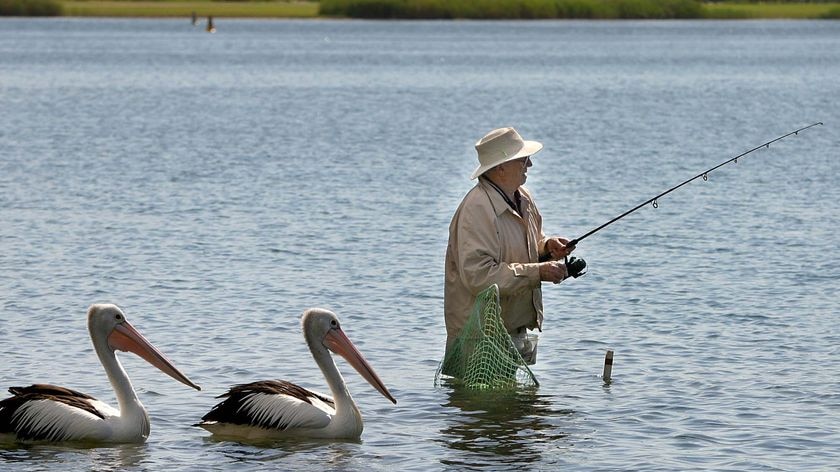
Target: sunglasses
523, 160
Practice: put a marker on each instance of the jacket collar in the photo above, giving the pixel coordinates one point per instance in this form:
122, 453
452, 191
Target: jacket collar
499, 203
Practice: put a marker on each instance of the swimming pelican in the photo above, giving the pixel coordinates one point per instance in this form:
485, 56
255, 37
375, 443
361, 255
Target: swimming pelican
275, 408
48, 413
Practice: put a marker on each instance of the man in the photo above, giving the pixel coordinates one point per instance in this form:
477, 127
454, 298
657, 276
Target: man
496, 237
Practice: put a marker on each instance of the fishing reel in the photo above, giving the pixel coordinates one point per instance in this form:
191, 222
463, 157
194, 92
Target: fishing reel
575, 266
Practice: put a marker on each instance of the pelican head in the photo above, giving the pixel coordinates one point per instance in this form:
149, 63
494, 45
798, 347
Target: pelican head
323, 332
109, 329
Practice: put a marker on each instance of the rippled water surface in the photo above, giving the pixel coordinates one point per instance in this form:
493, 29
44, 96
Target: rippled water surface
215, 186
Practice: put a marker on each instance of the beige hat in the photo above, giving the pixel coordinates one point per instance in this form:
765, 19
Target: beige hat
502, 145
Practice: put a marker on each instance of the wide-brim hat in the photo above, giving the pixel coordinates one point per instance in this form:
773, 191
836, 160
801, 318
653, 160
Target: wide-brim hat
500, 146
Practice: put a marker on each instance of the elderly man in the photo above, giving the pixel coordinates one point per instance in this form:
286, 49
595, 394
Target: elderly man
496, 237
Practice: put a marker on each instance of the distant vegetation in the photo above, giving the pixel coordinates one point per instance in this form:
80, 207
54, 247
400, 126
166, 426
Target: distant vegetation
833, 14
30, 8
185, 8
520, 9
432, 9
580, 9
747, 9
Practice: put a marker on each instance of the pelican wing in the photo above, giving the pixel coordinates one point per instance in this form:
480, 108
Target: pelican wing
48, 412
273, 404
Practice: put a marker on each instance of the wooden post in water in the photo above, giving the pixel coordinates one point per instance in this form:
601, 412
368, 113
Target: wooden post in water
608, 362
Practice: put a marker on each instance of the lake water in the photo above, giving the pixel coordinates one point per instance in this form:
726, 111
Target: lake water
216, 185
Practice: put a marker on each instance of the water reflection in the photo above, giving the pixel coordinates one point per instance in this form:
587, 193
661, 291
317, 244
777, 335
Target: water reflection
336, 452
106, 458
504, 427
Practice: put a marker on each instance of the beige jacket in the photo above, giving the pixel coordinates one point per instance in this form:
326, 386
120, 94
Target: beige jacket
490, 243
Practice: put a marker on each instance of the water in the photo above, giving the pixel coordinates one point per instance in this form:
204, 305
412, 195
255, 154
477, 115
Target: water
215, 186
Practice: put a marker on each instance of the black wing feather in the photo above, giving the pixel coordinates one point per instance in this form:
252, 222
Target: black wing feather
229, 410
13, 424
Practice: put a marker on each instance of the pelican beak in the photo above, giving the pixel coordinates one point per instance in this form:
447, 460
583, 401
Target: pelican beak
125, 338
339, 343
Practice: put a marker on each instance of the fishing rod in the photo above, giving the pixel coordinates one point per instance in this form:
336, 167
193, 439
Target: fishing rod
704, 175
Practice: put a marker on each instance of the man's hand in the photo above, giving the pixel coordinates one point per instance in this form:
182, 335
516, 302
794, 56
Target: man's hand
558, 249
553, 271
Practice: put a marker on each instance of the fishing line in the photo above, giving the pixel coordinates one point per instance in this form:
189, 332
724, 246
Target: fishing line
704, 175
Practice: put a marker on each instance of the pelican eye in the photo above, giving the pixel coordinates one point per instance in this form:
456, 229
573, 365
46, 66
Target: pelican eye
119, 317
334, 323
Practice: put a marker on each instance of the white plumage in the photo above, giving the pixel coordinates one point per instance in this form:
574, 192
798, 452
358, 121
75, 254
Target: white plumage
45, 412
276, 408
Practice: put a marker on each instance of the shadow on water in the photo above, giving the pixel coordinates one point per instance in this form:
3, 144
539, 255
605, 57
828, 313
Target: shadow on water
511, 428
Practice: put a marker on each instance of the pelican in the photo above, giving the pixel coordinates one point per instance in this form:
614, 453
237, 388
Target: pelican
274, 409
48, 413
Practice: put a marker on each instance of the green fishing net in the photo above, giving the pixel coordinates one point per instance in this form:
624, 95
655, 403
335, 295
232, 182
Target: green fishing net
483, 355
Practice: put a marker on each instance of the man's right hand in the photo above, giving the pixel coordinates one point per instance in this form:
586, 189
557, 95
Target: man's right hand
558, 248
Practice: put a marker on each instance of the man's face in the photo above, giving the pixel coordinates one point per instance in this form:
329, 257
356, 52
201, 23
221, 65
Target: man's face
517, 170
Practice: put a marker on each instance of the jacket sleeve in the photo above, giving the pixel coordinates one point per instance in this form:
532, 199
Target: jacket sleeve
542, 239
478, 252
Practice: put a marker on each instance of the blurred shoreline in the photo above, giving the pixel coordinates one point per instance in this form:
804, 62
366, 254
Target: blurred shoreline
426, 9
